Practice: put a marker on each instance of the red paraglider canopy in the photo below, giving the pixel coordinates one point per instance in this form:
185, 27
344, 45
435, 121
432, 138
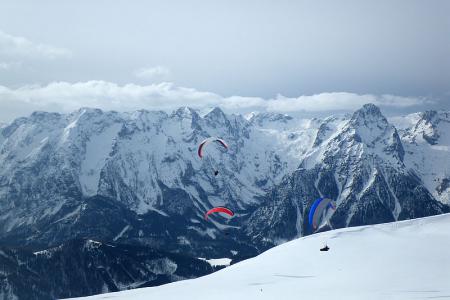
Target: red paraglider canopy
219, 209
209, 140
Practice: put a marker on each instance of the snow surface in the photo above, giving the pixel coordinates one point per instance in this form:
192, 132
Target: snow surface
400, 260
217, 261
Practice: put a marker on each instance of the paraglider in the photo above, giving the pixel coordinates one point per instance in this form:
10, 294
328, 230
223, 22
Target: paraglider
326, 248
206, 142
319, 210
219, 209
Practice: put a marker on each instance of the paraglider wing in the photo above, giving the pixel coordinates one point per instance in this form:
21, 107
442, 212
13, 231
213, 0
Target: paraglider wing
312, 211
317, 209
219, 209
207, 141
200, 148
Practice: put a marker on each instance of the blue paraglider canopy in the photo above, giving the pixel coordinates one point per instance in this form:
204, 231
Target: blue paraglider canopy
318, 210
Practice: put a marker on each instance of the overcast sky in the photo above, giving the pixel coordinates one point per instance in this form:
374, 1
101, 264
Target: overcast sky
279, 55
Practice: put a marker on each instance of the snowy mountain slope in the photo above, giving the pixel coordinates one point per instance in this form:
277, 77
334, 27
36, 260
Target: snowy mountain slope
361, 166
426, 138
400, 260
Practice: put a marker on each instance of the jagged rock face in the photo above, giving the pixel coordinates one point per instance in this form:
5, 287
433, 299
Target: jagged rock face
361, 167
87, 267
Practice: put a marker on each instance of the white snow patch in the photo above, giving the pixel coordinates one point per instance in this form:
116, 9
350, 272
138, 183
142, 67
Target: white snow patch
217, 261
158, 211
97, 152
125, 229
75, 212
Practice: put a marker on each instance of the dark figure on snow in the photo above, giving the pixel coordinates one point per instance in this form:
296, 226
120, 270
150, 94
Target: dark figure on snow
326, 248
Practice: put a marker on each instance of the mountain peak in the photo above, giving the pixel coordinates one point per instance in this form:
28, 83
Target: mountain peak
369, 116
270, 117
368, 111
216, 112
368, 126
185, 112
89, 110
43, 115
217, 116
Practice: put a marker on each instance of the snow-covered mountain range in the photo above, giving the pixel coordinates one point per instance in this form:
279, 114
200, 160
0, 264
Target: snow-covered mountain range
362, 164
137, 177
399, 260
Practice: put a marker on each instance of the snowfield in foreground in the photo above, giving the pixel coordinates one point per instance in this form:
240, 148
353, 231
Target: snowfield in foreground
401, 260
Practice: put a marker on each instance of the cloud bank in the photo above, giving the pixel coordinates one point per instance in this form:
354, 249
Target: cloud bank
19, 48
66, 97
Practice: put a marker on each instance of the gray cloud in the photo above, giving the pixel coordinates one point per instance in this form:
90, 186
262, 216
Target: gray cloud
23, 61
66, 97
15, 47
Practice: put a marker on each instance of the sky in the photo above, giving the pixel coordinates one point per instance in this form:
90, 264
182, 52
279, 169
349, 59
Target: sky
285, 56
